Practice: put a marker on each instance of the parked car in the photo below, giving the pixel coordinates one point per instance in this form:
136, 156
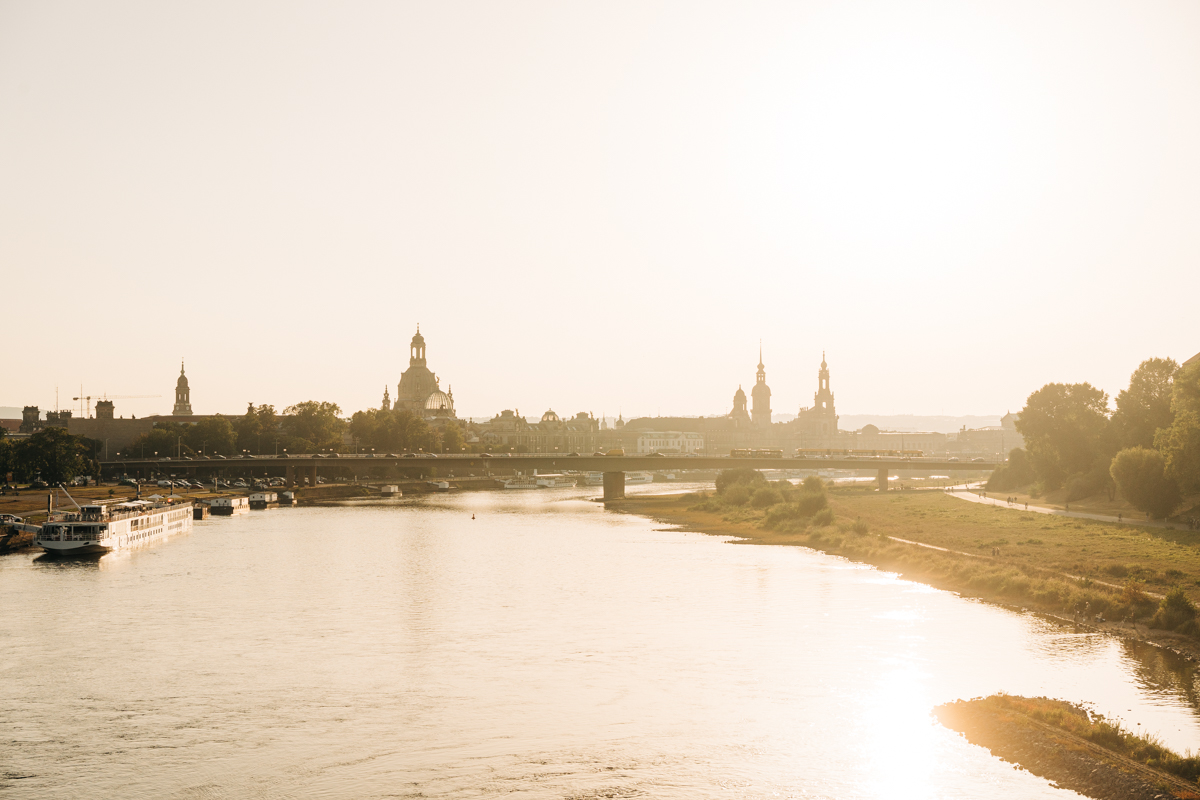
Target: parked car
10, 518
39, 484
410, 455
163, 484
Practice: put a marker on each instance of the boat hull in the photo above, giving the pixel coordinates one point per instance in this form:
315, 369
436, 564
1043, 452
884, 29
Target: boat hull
72, 549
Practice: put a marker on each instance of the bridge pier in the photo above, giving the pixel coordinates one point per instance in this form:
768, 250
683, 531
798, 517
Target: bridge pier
289, 476
614, 486
882, 479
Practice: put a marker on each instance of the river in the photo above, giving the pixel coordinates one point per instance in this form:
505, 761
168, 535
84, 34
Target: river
547, 648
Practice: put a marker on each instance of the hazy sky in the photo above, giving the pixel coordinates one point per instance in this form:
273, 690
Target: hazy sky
596, 206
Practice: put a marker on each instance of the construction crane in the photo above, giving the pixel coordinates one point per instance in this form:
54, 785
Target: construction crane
88, 398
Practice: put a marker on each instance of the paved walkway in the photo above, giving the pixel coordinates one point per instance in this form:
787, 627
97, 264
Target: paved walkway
973, 496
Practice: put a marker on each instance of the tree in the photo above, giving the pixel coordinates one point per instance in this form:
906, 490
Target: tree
256, 429
56, 456
1180, 442
212, 435
1017, 471
1066, 430
317, 422
1140, 475
452, 439
1145, 406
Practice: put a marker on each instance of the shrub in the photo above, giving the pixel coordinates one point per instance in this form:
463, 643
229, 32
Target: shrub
1176, 612
860, 527
809, 504
765, 497
813, 485
737, 495
741, 475
823, 517
1117, 570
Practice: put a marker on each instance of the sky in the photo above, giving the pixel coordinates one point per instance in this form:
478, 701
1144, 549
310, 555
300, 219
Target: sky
596, 207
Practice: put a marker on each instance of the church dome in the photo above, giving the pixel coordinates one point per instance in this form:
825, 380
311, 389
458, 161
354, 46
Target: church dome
550, 416
439, 401
182, 383
418, 340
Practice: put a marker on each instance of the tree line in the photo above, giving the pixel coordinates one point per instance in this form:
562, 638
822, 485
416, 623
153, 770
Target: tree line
308, 427
1147, 448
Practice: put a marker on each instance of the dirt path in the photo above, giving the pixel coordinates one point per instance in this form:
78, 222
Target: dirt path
971, 496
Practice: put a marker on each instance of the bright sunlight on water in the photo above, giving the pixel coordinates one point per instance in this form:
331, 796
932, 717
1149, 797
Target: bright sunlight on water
546, 648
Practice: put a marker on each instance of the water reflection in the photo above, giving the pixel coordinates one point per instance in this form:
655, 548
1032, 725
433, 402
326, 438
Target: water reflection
546, 648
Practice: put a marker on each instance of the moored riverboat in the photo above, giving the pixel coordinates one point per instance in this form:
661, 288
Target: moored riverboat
103, 527
520, 482
554, 480
261, 500
633, 478
228, 506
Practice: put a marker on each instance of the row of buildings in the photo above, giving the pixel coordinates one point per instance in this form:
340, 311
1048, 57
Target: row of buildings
748, 424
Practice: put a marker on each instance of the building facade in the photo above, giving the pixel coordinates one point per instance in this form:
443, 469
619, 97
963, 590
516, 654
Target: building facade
509, 432
670, 443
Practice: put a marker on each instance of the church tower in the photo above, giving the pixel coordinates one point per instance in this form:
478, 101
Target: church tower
183, 395
760, 411
823, 399
386, 405
739, 413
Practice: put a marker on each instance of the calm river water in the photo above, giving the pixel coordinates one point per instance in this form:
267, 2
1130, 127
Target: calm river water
545, 649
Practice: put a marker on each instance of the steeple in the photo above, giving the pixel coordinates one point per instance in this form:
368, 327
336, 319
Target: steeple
183, 395
416, 356
761, 394
386, 405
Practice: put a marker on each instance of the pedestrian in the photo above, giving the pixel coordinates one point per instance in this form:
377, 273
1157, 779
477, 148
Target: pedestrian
1119, 516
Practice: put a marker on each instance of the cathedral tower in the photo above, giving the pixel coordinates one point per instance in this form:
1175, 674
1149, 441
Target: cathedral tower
183, 395
760, 411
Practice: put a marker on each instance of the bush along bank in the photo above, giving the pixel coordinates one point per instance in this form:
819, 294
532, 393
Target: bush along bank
745, 504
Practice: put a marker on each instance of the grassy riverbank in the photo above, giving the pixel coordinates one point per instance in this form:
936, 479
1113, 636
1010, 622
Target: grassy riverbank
1062, 566
1076, 749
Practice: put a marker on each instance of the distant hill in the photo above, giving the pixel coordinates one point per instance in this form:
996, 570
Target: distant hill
10, 412
914, 422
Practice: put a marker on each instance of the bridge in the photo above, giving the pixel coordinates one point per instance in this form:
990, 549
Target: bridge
297, 467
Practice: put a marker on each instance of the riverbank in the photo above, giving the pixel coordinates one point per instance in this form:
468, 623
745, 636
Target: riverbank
1075, 749
1105, 577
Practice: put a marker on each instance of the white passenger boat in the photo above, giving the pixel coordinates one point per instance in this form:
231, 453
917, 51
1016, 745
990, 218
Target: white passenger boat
591, 479
520, 482
555, 480
113, 525
632, 478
